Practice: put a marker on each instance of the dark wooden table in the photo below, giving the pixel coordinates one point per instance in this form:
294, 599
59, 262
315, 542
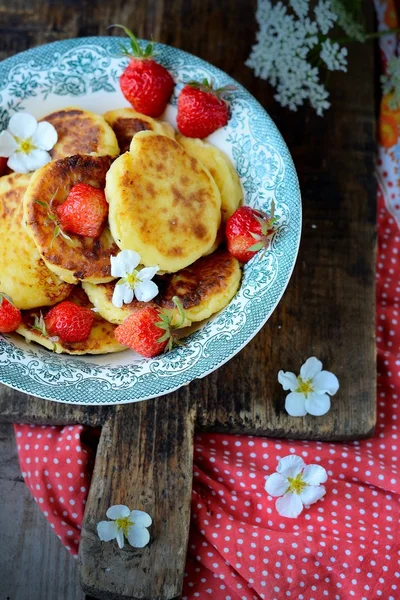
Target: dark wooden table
328, 309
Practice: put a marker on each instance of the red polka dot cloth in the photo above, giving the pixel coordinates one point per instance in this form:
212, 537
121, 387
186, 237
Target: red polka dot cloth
345, 546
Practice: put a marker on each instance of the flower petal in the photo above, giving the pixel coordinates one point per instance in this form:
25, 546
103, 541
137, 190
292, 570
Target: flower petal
120, 538
148, 273
295, 404
22, 125
128, 293
290, 505
317, 405
37, 158
107, 530
7, 144
18, 162
118, 511
118, 295
138, 537
146, 291
314, 475
326, 383
288, 380
311, 367
312, 494
125, 262
45, 136
140, 517
276, 484
290, 466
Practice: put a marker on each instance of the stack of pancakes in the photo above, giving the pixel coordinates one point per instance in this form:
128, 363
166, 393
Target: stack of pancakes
169, 198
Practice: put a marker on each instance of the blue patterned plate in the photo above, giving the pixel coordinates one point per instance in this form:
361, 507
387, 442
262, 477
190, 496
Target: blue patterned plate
84, 72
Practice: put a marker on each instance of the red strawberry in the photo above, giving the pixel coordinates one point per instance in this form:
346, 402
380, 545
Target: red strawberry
84, 212
3, 164
10, 315
201, 110
146, 84
140, 332
247, 232
69, 321
149, 331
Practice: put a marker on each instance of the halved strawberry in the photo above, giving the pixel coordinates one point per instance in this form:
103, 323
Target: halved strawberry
10, 315
247, 231
84, 212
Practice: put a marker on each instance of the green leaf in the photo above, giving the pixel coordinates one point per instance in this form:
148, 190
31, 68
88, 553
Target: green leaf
256, 247
163, 338
182, 315
256, 236
41, 203
7, 297
135, 46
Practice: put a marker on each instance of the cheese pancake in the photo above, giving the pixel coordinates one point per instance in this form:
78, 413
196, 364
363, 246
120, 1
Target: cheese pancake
163, 203
80, 258
221, 169
204, 288
101, 297
81, 132
23, 275
100, 341
126, 123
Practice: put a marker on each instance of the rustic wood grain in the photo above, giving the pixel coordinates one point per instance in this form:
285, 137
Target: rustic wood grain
34, 565
144, 460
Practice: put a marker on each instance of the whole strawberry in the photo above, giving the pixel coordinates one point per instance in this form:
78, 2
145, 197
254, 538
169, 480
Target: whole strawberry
84, 212
149, 331
145, 83
247, 232
201, 110
10, 315
69, 321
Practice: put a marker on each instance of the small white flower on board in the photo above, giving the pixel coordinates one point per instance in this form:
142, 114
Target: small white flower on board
296, 484
125, 523
26, 143
309, 391
133, 282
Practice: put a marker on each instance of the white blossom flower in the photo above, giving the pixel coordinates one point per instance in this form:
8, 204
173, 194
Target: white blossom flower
288, 50
133, 283
334, 56
324, 16
296, 484
26, 143
309, 391
125, 523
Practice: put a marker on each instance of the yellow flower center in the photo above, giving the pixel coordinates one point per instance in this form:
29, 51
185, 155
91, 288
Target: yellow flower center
124, 523
296, 484
132, 278
305, 386
25, 146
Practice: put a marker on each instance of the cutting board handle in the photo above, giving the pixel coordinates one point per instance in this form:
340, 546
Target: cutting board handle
144, 460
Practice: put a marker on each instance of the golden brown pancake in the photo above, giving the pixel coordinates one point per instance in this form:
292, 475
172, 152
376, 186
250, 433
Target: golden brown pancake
81, 132
163, 203
82, 258
126, 123
23, 274
221, 169
204, 288
101, 297
100, 341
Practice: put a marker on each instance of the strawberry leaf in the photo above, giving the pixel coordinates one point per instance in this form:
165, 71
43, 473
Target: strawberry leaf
135, 51
256, 247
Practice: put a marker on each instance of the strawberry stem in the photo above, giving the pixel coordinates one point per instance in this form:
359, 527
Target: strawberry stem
169, 329
136, 50
206, 86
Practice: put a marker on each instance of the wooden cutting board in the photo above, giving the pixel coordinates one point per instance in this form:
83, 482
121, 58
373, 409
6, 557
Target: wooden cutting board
145, 452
